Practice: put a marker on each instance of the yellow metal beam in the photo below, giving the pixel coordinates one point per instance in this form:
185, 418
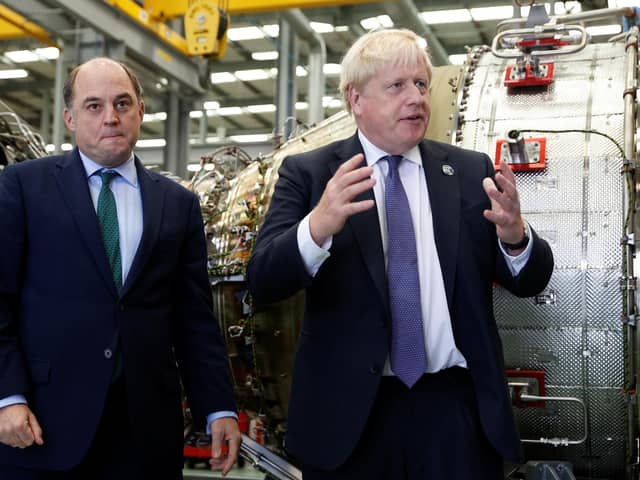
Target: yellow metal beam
259, 6
167, 9
13, 25
142, 17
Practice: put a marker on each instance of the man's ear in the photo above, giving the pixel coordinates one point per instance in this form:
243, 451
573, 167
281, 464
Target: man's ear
69, 121
353, 95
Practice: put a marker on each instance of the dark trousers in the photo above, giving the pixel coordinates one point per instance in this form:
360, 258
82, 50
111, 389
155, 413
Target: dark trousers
112, 454
429, 432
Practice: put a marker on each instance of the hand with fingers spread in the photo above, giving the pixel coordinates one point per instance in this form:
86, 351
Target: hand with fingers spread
505, 205
19, 427
336, 203
225, 444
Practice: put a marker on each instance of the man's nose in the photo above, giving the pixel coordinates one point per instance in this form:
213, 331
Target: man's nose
111, 114
416, 94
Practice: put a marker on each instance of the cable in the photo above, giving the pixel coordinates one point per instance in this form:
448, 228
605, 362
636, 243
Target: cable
514, 134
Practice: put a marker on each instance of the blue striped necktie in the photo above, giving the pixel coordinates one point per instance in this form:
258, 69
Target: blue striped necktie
408, 355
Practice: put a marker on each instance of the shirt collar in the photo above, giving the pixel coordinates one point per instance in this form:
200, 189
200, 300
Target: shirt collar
127, 170
372, 153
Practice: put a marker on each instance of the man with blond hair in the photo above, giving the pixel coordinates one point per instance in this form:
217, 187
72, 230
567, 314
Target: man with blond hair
397, 241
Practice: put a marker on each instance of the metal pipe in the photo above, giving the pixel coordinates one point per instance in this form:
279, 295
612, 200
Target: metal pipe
537, 31
317, 59
629, 97
556, 441
58, 103
267, 461
574, 17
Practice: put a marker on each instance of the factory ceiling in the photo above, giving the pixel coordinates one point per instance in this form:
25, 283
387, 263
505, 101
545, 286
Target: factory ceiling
239, 98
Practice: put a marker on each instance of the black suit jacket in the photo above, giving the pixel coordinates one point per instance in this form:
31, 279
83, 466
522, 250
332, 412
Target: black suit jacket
344, 340
60, 312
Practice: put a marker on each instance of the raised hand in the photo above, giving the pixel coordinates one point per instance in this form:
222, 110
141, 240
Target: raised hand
505, 205
336, 203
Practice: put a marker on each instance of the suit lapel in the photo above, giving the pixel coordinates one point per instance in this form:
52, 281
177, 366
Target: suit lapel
152, 193
74, 188
444, 196
365, 225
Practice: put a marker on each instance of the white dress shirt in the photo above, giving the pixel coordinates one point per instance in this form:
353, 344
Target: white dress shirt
440, 345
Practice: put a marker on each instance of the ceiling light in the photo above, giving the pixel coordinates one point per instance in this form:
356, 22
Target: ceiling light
604, 30
195, 114
250, 75
66, 147
21, 56
155, 117
302, 105
151, 143
492, 13
262, 56
244, 33
271, 30
301, 71
332, 68
250, 138
222, 77
372, 23
50, 147
37, 55
261, 108
50, 53
341, 28
321, 27
330, 102
447, 16
194, 167
211, 105
225, 111
16, 73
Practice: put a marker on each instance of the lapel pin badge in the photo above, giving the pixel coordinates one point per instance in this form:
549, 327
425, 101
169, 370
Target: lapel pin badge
447, 169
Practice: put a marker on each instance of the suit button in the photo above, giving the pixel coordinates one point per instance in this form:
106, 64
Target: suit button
374, 370
108, 353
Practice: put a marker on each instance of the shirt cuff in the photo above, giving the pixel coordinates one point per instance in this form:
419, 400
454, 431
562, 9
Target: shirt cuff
12, 400
216, 415
312, 255
517, 263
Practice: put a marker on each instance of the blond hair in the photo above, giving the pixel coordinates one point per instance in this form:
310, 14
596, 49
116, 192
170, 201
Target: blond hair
380, 48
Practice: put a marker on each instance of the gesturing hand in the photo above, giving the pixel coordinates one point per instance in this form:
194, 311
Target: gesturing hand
336, 205
505, 205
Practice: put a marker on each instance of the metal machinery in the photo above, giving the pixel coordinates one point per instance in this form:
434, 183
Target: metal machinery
18, 140
564, 113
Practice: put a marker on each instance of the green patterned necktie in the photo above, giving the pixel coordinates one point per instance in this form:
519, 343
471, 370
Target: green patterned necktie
108, 219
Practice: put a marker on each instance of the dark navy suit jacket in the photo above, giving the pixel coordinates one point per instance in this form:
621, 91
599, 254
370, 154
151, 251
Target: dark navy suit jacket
344, 339
60, 313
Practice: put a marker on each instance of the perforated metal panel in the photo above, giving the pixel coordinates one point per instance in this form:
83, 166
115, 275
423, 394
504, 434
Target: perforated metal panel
572, 331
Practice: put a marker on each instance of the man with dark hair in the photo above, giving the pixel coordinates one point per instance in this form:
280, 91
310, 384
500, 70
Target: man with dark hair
105, 304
